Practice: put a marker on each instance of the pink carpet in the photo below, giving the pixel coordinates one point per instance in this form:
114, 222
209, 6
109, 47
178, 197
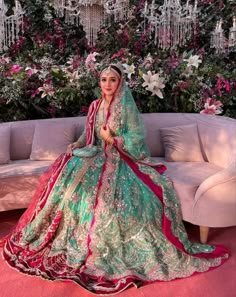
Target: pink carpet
220, 282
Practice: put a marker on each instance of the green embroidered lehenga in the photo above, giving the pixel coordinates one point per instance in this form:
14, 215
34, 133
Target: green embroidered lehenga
107, 217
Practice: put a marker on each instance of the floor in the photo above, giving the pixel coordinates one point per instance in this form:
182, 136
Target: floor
220, 282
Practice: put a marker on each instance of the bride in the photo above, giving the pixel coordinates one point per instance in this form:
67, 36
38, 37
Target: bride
104, 215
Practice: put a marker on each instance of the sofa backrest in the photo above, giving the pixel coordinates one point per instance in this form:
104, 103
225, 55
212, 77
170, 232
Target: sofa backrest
217, 134
22, 133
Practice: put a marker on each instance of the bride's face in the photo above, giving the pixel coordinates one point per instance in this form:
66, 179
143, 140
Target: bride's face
109, 82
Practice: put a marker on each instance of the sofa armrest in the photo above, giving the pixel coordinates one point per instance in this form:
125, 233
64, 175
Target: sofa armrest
226, 175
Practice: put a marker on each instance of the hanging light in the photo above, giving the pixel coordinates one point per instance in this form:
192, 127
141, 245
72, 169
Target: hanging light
10, 26
171, 23
232, 36
218, 38
92, 14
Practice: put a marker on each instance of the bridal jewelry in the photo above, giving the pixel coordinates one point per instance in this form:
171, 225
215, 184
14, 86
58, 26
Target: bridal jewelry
102, 113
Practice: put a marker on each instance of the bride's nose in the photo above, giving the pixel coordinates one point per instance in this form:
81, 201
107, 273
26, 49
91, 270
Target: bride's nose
108, 82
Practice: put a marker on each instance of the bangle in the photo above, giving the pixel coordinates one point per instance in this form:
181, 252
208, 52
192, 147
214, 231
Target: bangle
109, 140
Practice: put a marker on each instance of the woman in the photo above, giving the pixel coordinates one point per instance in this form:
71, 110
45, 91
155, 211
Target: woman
104, 216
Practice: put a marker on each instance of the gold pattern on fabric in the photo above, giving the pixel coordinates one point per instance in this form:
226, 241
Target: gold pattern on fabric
80, 174
100, 222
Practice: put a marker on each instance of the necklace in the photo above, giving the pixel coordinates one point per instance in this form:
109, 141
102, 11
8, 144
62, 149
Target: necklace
102, 113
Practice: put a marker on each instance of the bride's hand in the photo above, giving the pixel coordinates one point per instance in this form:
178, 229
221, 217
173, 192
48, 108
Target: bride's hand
71, 147
105, 132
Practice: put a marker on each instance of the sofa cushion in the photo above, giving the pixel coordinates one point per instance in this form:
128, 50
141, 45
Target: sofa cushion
5, 133
51, 139
154, 121
17, 191
22, 133
24, 168
181, 143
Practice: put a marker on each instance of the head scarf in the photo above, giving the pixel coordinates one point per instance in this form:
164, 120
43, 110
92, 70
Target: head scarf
125, 120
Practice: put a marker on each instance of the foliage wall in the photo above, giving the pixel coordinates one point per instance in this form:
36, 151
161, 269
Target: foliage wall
51, 71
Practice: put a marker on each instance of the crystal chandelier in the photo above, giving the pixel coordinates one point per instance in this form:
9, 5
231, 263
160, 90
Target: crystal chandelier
10, 26
232, 36
219, 41
171, 23
218, 38
92, 14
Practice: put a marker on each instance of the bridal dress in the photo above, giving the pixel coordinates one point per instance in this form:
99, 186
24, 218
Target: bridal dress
107, 217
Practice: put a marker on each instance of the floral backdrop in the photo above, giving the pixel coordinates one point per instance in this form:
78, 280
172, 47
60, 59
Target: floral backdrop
51, 71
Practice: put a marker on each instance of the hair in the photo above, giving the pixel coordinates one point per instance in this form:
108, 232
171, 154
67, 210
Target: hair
117, 69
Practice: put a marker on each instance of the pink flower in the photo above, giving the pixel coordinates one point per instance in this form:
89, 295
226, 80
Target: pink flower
33, 93
74, 62
39, 40
212, 107
148, 61
90, 61
49, 37
91, 58
172, 63
183, 85
29, 72
91, 66
15, 69
222, 84
18, 44
5, 60
47, 89
120, 54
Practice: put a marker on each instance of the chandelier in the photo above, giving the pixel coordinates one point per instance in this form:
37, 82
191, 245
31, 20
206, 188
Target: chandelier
232, 36
10, 26
172, 23
92, 14
218, 40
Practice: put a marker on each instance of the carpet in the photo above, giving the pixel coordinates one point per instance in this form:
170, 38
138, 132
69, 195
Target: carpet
220, 282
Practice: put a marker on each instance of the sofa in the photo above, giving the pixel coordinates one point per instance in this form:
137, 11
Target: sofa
198, 150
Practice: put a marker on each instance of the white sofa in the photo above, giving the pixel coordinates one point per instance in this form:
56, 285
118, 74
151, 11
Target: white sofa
198, 150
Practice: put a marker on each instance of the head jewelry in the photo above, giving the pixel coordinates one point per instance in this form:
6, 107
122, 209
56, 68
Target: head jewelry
109, 69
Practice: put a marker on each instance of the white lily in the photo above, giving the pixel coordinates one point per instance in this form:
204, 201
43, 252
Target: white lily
74, 77
193, 61
154, 83
129, 69
33, 70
